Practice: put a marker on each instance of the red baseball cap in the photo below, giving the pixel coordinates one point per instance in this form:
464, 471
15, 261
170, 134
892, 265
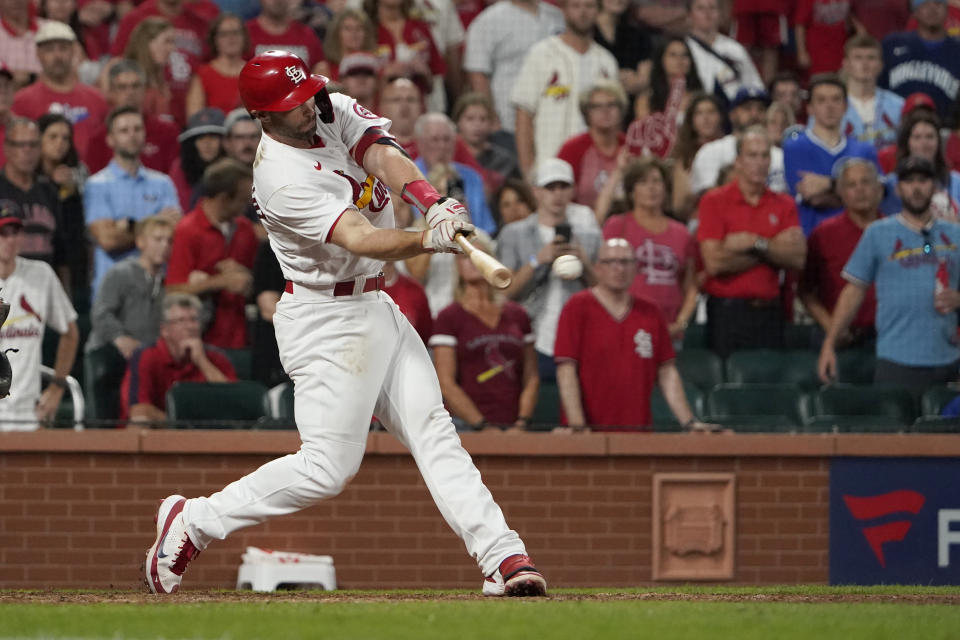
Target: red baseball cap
915, 100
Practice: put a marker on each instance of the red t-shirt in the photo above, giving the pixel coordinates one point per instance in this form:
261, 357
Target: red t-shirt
412, 300
744, 7
591, 167
83, 106
489, 361
661, 260
220, 91
826, 24
152, 371
298, 39
199, 246
887, 158
881, 17
724, 210
617, 360
191, 25
417, 43
158, 154
828, 249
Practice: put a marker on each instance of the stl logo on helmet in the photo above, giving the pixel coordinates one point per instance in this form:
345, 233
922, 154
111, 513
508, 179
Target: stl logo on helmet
296, 74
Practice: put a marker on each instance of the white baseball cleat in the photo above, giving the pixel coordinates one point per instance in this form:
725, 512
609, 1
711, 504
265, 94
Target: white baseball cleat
172, 551
516, 577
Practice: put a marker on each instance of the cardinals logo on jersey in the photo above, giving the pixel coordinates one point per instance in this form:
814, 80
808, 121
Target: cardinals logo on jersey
556, 90
369, 193
26, 307
296, 74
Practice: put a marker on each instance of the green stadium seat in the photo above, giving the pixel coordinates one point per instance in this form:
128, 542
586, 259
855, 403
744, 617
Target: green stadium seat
547, 414
103, 371
867, 408
800, 336
278, 404
700, 367
211, 405
855, 366
777, 406
936, 424
754, 366
854, 424
660, 410
70, 413
695, 336
242, 361
934, 400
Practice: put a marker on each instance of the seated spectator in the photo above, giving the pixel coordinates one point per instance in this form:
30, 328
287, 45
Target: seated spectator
630, 44
913, 259
215, 83
593, 154
830, 246
190, 18
747, 234
411, 298
359, 78
529, 247
820, 31
6, 100
873, 114
154, 47
723, 64
476, 120
201, 144
703, 122
57, 88
123, 193
402, 102
126, 312
664, 250
126, 87
277, 28
350, 32
33, 199
18, 49
178, 355
513, 201
920, 137
37, 301
214, 247
436, 141
61, 166
268, 286
778, 119
404, 43
611, 349
483, 351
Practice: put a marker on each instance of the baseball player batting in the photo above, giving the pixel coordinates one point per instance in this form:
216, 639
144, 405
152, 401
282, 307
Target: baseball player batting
322, 180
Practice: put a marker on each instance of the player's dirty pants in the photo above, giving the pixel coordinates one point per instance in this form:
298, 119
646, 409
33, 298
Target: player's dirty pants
350, 358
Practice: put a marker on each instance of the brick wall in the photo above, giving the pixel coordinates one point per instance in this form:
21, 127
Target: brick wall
76, 508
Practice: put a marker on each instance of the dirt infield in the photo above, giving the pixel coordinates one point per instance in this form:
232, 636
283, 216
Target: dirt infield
191, 597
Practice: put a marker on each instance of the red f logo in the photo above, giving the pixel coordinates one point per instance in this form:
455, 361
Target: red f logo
870, 507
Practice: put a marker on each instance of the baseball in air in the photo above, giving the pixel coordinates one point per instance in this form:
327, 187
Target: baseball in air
568, 267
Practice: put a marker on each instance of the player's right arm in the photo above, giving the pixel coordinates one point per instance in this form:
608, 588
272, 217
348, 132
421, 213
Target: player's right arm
354, 233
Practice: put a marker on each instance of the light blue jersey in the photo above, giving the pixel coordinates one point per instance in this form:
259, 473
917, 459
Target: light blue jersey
886, 118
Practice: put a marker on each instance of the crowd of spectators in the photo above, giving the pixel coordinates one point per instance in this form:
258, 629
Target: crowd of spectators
740, 164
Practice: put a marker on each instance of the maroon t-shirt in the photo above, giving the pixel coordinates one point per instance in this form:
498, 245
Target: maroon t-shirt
83, 106
159, 152
152, 371
617, 359
828, 249
298, 39
489, 361
410, 297
591, 167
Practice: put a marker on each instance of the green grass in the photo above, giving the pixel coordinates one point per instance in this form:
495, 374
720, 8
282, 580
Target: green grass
496, 619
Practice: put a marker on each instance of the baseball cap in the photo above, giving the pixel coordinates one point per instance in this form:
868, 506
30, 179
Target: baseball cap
554, 170
205, 121
915, 100
359, 63
912, 165
746, 94
237, 115
916, 3
51, 30
10, 217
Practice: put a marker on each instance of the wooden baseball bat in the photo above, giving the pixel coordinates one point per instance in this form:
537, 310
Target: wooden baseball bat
493, 272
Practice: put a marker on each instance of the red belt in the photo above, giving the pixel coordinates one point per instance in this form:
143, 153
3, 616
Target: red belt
345, 288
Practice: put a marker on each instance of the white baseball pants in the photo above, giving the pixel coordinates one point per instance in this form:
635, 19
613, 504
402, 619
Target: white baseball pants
350, 358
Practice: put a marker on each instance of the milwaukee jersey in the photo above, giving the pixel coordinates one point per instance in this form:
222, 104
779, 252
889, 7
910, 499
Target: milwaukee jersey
300, 194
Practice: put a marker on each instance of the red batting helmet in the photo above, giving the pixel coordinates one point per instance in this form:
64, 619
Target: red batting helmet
277, 81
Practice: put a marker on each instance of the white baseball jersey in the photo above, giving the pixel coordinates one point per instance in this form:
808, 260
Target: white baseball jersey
300, 195
36, 299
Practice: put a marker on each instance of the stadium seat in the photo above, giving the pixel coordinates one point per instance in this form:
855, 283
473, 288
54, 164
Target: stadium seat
855, 366
936, 424
212, 405
854, 424
779, 407
695, 336
663, 419
934, 400
800, 336
798, 367
278, 404
862, 408
547, 414
71, 410
242, 361
104, 369
700, 367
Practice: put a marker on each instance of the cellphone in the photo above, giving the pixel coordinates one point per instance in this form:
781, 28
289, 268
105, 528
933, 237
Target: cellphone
563, 230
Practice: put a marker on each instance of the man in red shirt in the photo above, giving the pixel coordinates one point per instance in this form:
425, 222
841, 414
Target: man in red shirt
276, 28
830, 245
177, 356
126, 88
747, 234
214, 247
612, 348
57, 90
190, 18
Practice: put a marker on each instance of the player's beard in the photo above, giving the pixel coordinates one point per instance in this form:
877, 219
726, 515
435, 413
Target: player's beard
306, 132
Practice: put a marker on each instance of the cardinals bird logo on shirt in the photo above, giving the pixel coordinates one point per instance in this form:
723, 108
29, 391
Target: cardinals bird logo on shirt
26, 307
